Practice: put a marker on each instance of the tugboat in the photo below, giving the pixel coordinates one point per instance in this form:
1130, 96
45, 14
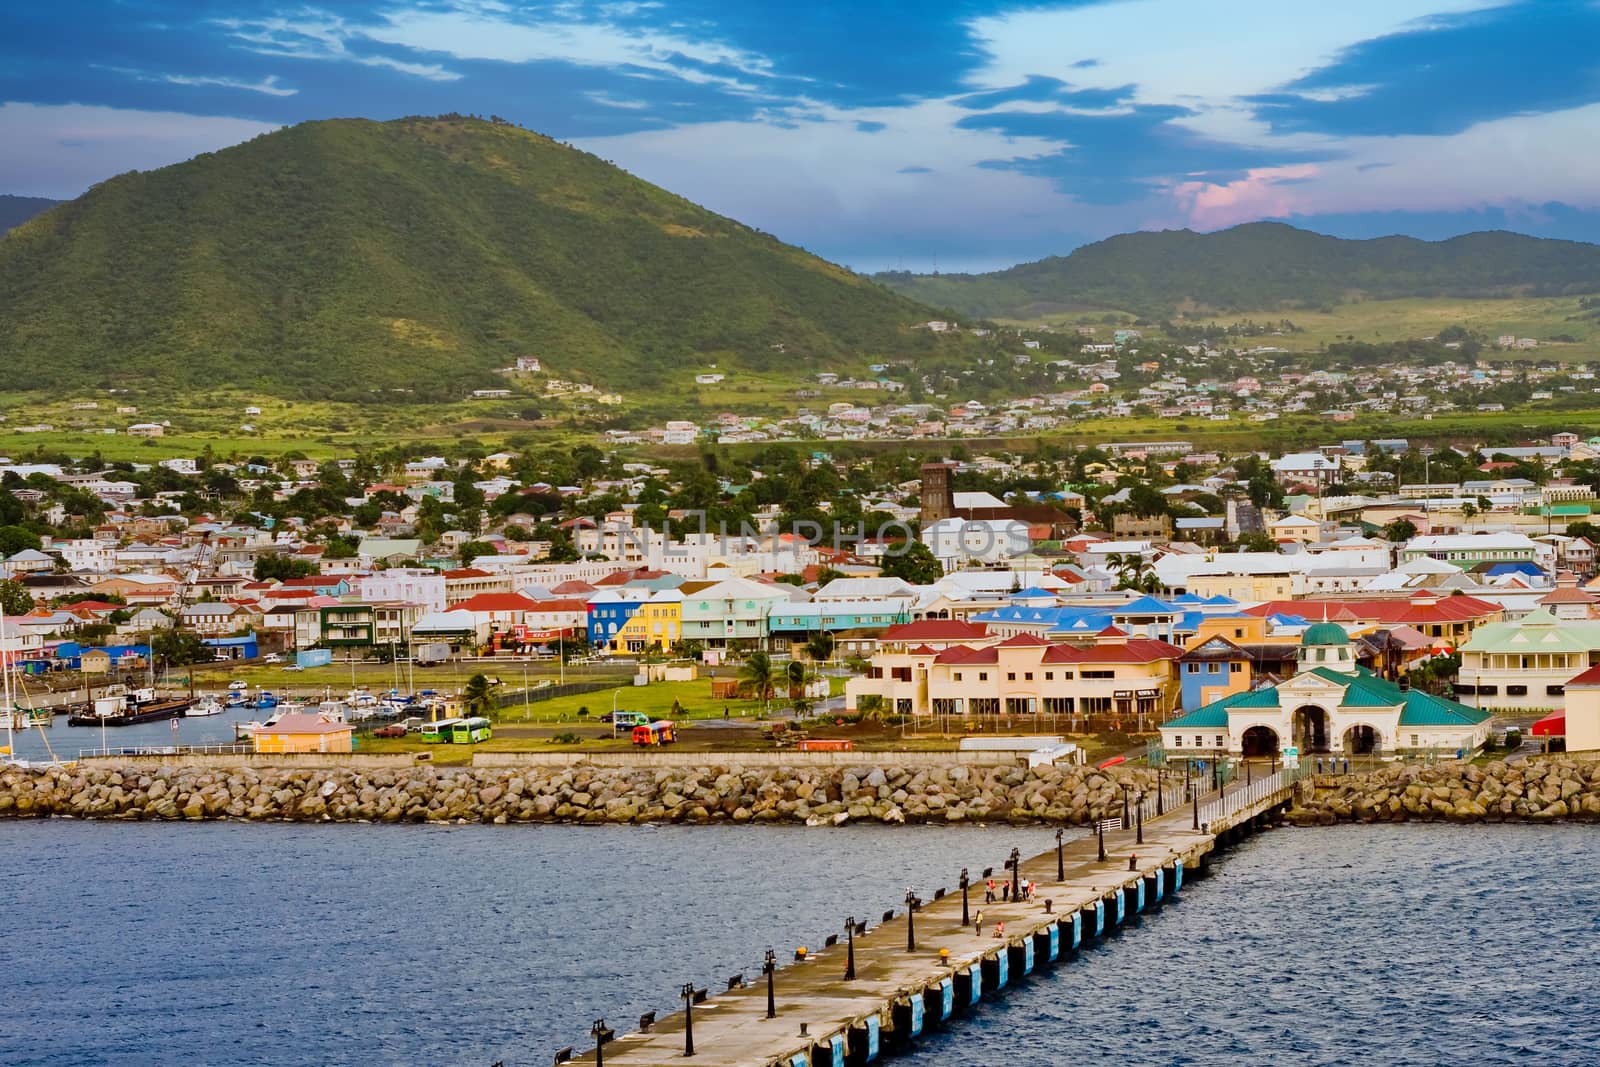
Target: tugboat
131, 708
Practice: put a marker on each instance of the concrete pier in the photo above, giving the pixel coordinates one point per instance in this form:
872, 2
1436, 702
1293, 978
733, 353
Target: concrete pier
826, 1020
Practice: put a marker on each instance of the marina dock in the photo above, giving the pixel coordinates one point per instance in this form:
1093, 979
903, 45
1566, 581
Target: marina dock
909, 981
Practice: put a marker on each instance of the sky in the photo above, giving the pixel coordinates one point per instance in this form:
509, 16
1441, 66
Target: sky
882, 134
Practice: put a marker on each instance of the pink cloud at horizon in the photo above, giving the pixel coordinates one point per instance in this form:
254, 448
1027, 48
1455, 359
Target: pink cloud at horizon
1265, 192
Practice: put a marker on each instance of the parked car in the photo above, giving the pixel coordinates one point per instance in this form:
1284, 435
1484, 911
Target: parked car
294, 667
394, 729
272, 657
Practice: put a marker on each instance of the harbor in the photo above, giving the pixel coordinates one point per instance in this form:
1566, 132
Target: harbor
875, 987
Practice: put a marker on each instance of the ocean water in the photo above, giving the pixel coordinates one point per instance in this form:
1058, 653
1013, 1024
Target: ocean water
228, 943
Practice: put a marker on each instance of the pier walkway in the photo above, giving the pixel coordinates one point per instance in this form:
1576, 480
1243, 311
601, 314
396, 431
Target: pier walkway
825, 1020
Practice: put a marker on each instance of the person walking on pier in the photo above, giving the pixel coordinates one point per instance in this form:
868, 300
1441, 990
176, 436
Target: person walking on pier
977, 922
988, 892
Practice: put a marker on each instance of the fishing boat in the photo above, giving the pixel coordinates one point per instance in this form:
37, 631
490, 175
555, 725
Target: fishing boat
129, 708
204, 707
238, 696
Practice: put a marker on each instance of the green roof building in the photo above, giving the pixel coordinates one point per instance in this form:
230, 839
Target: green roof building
1332, 706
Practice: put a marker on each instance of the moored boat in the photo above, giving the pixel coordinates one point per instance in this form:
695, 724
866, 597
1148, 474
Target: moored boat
203, 707
130, 709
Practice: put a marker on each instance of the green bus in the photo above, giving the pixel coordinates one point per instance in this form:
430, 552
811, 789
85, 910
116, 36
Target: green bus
470, 731
440, 732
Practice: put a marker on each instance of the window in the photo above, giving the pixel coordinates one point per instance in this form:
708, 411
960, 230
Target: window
1219, 741
983, 676
1011, 676
1516, 690
1177, 740
1413, 740
1028, 676
1488, 690
1555, 690
1049, 676
1097, 674
1199, 741
1192, 668
958, 676
1235, 668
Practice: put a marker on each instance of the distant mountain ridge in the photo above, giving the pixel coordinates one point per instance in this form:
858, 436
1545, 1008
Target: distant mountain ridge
1261, 266
15, 210
342, 258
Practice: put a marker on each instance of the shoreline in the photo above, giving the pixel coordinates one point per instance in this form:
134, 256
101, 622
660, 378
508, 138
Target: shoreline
720, 792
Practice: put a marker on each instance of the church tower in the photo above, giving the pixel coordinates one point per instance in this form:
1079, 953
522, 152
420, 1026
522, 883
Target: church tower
938, 493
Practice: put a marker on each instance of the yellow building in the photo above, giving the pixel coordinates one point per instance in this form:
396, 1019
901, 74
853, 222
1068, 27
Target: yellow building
304, 733
656, 626
1583, 712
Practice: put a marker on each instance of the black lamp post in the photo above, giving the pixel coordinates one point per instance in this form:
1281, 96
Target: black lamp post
1161, 791
1015, 863
688, 1018
598, 1032
1248, 778
911, 920
966, 916
1100, 832
850, 947
1140, 816
767, 968
1188, 778
1061, 863
1125, 819
1196, 796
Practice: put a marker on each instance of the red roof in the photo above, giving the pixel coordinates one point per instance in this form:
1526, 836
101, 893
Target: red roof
1136, 650
467, 572
968, 654
313, 582
1023, 641
935, 630
498, 602
1419, 610
559, 604
1587, 680
643, 574
1567, 594
1554, 725
571, 586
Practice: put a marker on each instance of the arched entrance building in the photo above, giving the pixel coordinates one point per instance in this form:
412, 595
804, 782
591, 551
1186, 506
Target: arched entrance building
1330, 706
1259, 742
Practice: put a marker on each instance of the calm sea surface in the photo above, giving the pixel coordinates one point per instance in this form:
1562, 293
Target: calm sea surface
281, 944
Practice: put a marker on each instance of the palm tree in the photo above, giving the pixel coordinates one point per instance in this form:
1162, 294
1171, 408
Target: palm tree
795, 673
819, 646
476, 693
757, 676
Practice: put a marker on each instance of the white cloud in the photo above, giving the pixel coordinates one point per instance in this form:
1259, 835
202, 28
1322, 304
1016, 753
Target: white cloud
431, 71
59, 150
268, 85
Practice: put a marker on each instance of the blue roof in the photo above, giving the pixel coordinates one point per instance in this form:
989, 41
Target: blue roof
1032, 592
1522, 567
229, 642
1145, 605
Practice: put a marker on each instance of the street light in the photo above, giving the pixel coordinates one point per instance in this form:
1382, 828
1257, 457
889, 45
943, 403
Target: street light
1161, 791
1015, 863
1140, 811
966, 916
1061, 864
1125, 819
1196, 810
850, 943
598, 1032
767, 968
911, 920
688, 1018
1100, 832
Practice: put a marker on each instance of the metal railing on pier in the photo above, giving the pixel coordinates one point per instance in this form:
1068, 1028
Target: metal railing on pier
237, 749
1238, 796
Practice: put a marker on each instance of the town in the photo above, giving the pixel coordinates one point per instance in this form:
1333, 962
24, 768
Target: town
1371, 598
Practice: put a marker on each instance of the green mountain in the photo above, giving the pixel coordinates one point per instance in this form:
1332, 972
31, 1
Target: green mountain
334, 259
15, 210
1259, 266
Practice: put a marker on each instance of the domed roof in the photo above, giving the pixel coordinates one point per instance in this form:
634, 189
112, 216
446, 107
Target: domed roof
1325, 633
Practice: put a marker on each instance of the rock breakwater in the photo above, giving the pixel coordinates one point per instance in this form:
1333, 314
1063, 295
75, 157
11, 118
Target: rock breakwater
872, 792
1535, 791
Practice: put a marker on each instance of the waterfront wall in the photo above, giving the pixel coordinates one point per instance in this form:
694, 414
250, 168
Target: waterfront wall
1534, 790
882, 792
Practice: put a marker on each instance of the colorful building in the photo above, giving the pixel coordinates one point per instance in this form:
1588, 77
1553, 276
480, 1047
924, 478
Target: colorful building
1332, 705
655, 625
304, 733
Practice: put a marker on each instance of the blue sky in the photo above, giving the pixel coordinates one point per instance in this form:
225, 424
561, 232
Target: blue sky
882, 133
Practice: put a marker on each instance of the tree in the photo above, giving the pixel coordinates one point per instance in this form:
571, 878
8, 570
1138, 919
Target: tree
179, 648
758, 676
14, 539
795, 674
281, 567
916, 565
1399, 530
471, 550
476, 693
819, 646
15, 598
